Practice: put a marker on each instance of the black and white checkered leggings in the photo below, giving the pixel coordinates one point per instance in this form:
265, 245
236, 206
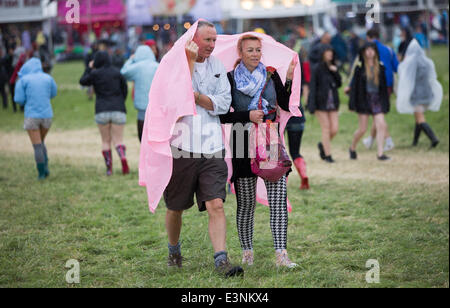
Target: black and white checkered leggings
246, 200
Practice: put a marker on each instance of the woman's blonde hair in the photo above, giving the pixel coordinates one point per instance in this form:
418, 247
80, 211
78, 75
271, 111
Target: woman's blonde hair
242, 39
373, 75
246, 37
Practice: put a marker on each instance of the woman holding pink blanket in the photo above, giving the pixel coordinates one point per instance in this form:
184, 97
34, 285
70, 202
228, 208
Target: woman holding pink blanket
250, 81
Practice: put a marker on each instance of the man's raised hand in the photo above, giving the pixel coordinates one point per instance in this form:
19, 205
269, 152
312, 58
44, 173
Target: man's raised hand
191, 51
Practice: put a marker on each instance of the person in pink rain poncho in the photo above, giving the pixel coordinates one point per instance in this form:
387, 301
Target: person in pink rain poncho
251, 80
188, 95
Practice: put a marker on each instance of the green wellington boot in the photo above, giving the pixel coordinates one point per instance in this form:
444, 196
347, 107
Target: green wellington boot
46, 171
41, 171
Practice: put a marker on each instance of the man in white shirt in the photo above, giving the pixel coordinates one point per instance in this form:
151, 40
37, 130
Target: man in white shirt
198, 151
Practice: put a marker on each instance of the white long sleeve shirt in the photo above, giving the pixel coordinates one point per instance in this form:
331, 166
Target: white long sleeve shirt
202, 133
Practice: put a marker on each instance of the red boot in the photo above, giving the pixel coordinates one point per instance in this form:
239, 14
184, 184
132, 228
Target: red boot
121, 151
300, 165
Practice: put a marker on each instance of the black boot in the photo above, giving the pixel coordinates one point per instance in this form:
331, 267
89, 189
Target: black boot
329, 159
321, 151
430, 134
353, 154
417, 132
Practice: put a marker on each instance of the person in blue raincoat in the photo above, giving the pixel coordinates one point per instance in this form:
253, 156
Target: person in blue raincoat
34, 91
141, 68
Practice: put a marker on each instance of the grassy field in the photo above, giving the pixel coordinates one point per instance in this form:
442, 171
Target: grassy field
395, 212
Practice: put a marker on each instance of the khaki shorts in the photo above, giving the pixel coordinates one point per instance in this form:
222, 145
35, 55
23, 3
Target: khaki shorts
204, 177
34, 124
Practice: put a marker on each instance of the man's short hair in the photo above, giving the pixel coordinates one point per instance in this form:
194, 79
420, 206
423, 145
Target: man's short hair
373, 33
204, 23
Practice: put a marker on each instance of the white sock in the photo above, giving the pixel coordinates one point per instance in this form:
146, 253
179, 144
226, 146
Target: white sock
389, 140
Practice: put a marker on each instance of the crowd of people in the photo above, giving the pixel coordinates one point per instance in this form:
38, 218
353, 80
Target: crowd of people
250, 94
15, 49
370, 87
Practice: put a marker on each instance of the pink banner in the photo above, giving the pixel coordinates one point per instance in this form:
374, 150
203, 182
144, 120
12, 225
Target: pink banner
100, 10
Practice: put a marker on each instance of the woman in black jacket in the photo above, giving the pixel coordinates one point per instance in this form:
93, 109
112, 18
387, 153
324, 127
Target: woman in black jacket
369, 97
110, 113
323, 100
247, 77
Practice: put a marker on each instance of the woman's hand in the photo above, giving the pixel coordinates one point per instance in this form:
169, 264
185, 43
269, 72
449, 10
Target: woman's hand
91, 64
290, 72
256, 116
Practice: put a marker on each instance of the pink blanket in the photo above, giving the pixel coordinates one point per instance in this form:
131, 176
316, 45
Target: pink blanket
171, 97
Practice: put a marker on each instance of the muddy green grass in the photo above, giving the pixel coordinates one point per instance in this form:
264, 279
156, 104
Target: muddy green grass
396, 212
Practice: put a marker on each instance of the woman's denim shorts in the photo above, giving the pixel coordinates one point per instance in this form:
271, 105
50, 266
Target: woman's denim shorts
34, 124
113, 117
